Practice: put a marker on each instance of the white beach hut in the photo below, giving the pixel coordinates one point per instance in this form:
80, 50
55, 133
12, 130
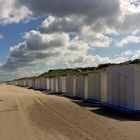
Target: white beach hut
45, 83
103, 85
71, 86
62, 84
48, 83
124, 87
54, 85
94, 89
34, 83
38, 83
97, 86
81, 87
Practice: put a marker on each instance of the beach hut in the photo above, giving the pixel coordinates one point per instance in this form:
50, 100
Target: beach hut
124, 87
34, 84
103, 85
70, 86
54, 85
48, 83
51, 84
97, 86
45, 83
37, 83
24, 83
94, 88
29, 83
41, 83
81, 87
61, 84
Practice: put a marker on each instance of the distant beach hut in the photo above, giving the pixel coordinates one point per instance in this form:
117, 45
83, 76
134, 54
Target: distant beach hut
61, 84
97, 86
81, 87
70, 86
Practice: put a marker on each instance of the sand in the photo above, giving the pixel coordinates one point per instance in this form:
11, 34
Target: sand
26, 114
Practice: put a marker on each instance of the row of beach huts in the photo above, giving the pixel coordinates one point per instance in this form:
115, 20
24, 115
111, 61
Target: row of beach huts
116, 86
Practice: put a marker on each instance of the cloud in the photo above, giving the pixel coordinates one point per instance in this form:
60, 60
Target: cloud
95, 39
13, 12
39, 48
91, 8
87, 61
128, 40
50, 49
53, 25
126, 56
38, 41
128, 19
79, 28
115, 16
70, 31
87, 11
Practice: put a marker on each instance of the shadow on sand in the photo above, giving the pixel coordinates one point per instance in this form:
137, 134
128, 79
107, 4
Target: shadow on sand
108, 112
98, 109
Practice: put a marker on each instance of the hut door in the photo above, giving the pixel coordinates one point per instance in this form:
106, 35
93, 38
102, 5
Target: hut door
80, 87
123, 90
97, 87
71, 86
115, 89
92, 87
77, 87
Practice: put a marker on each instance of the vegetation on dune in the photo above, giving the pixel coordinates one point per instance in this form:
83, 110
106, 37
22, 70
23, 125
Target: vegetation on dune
64, 72
79, 71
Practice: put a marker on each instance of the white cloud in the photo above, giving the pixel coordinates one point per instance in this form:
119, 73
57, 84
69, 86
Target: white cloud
65, 24
93, 23
136, 54
128, 40
127, 53
12, 12
101, 41
38, 41
126, 56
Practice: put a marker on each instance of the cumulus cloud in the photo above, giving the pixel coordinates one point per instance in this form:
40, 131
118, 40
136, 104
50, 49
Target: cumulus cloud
38, 41
88, 60
79, 28
51, 49
43, 48
117, 15
53, 25
70, 31
128, 40
128, 20
11, 11
95, 39
126, 56
91, 8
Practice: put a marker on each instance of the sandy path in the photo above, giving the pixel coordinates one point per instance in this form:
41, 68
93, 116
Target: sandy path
26, 114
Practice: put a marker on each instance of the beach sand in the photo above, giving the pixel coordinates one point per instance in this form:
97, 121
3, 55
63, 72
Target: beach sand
26, 114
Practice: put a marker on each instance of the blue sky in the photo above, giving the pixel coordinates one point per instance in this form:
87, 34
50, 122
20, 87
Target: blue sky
12, 34
42, 35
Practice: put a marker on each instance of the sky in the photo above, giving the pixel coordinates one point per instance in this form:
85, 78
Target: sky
36, 36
